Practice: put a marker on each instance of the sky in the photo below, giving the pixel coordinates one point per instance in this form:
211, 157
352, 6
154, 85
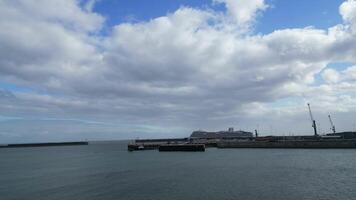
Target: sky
109, 70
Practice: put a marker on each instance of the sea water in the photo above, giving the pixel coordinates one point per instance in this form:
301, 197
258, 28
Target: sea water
106, 170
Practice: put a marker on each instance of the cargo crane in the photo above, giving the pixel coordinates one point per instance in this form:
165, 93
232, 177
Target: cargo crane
332, 125
313, 121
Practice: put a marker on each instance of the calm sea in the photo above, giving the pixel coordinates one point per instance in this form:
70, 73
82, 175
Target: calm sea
107, 171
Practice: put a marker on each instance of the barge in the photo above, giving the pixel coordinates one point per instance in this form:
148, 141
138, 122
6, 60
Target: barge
182, 147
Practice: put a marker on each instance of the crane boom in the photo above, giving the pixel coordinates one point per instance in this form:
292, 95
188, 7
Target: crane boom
310, 113
313, 121
332, 125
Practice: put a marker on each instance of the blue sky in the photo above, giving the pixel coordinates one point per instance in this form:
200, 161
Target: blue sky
281, 14
299, 14
149, 69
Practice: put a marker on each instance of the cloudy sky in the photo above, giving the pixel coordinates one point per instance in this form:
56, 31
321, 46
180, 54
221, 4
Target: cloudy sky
107, 69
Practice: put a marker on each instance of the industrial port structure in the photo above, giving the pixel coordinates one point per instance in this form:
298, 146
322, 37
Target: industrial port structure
198, 140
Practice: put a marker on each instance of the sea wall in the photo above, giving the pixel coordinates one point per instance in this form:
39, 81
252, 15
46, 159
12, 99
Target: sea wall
289, 144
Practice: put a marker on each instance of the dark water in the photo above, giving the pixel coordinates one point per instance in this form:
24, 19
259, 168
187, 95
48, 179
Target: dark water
108, 171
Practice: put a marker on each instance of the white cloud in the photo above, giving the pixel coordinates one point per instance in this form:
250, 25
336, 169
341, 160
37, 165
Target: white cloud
89, 5
347, 10
350, 74
345, 77
331, 75
187, 68
244, 12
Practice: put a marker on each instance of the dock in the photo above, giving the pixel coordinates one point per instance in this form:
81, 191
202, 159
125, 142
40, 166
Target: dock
199, 140
166, 147
141, 147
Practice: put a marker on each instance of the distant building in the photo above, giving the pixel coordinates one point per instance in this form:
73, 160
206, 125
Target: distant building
230, 134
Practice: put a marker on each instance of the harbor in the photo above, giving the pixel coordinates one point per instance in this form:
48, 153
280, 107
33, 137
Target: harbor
243, 139
337, 140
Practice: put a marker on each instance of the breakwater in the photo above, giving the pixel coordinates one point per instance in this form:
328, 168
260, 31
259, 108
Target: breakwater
48, 144
320, 144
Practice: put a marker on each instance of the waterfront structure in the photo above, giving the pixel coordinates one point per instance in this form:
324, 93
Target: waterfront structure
230, 134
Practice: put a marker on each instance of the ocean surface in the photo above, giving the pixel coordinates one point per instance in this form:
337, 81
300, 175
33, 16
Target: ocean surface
105, 170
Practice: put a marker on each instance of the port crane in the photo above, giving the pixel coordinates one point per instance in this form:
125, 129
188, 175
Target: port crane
332, 125
313, 121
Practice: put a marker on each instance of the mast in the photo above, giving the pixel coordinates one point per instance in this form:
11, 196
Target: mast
313, 121
332, 125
